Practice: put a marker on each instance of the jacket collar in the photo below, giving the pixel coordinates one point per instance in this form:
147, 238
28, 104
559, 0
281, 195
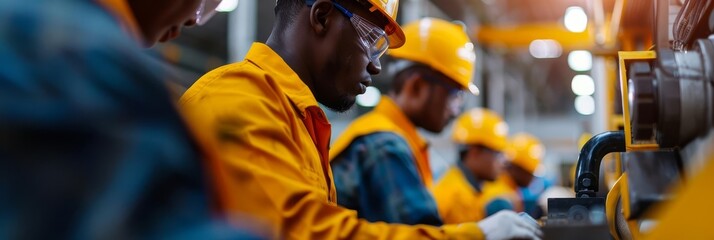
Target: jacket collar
388, 108
289, 82
475, 183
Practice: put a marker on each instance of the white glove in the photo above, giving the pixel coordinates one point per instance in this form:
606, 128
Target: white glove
507, 224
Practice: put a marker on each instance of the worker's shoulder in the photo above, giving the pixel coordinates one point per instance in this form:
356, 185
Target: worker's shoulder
451, 183
454, 173
373, 116
382, 141
234, 80
494, 189
373, 122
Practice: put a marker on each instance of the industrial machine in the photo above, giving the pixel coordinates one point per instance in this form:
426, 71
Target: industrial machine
665, 146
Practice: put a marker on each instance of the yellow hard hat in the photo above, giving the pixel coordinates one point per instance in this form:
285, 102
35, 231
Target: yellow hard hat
389, 8
481, 126
441, 45
525, 151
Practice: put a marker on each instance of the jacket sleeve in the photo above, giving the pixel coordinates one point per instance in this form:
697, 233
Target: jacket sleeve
259, 170
385, 184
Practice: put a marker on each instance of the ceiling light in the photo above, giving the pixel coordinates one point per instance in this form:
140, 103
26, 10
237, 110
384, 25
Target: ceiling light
227, 6
580, 60
583, 85
575, 19
585, 105
370, 98
545, 48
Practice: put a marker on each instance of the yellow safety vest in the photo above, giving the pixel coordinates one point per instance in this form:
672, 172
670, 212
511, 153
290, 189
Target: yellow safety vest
387, 117
503, 188
458, 201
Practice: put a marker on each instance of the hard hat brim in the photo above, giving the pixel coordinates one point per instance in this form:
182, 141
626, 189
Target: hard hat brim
396, 38
394, 31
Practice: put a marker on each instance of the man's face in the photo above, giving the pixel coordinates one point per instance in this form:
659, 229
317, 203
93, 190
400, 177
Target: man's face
343, 66
162, 20
443, 102
522, 177
488, 164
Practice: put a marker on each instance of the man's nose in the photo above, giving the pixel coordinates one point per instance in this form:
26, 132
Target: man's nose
190, 23
374, 67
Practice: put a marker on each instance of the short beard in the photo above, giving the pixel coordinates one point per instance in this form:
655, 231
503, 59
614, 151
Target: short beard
342, 104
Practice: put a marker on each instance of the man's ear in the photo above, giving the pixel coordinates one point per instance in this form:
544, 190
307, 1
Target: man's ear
416, 89
319, 16
421, 88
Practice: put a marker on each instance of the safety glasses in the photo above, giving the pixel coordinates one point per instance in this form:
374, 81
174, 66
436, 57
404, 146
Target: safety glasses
456, 95
373, 39
442, 81
492, 151
206, 10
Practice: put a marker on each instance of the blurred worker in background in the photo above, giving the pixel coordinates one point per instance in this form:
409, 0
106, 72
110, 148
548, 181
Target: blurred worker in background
273, 135
92, 145
482, 137
380, 162
525, 153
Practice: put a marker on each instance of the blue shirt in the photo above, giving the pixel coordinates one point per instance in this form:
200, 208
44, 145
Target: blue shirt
91, 145
376, 176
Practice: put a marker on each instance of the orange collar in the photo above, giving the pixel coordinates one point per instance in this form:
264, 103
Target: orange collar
388, 108
289, 82
121, 10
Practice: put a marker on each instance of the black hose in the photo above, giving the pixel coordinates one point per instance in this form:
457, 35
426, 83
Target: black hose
588, 169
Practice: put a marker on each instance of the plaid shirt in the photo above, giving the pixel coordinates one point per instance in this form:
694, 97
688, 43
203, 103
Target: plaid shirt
376, 176
91, 144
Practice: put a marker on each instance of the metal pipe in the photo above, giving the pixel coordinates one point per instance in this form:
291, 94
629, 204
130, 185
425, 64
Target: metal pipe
661, 27
588, 169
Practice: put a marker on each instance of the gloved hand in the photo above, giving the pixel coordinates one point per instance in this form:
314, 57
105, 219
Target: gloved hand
508, 225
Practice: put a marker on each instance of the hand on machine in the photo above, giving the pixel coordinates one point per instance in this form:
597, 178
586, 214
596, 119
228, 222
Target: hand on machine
510, 225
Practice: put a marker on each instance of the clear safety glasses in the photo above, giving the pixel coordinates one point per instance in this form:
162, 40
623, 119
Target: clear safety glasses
456, 95
206, 10
373, 39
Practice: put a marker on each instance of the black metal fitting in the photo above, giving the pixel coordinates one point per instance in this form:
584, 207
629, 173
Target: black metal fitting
587, 171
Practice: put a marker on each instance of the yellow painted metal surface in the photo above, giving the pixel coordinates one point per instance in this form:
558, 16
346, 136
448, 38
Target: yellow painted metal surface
521, 36
627, 57
633, 225
611, 208
689, 215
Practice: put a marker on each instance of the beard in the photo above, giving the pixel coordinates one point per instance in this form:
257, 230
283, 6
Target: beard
337, 103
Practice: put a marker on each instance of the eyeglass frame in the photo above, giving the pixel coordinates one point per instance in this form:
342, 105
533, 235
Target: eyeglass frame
452, 90
366, 46
455, 94
204, 14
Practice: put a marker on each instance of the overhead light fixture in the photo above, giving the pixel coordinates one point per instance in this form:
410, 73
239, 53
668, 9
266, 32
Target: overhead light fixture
583, 85
370, 98
585, 105
545, 48
580, 60
575, 19
227, 6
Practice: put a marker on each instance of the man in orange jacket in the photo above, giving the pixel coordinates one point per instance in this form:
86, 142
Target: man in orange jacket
273, 137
